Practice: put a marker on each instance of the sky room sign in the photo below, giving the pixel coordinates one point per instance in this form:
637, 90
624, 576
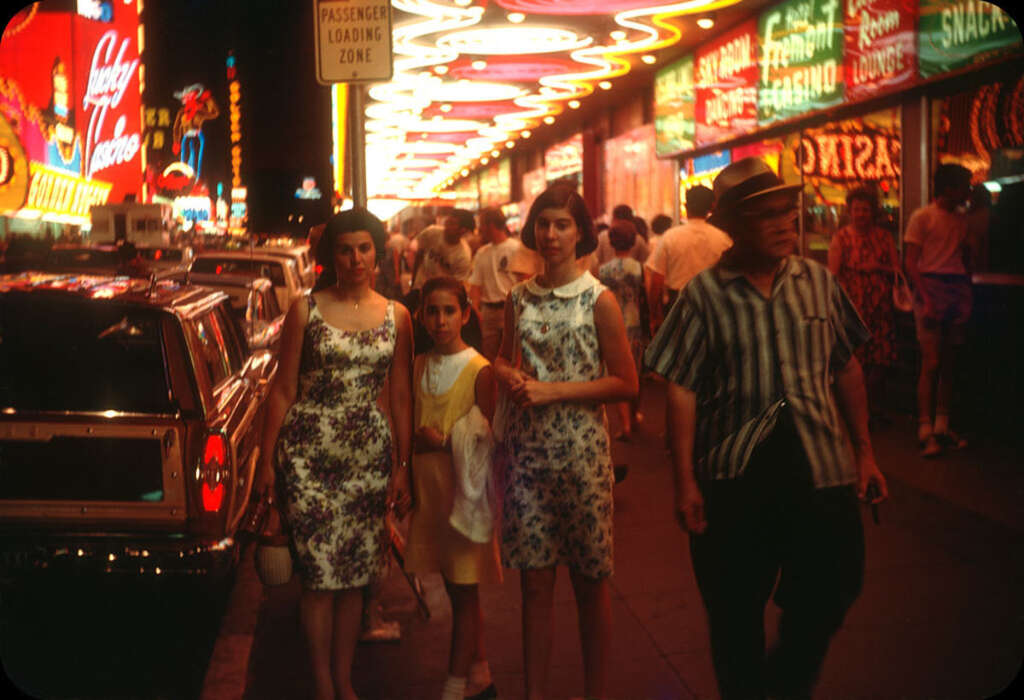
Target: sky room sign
801, 58
726, 73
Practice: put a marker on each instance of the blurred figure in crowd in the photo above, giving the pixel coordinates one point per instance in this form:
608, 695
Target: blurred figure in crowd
563, 355
442, 250
500, 263
624, 276
684, 251
762, 379
341, 346
659, 225
863, 258
605, 252
642, 248
131, 262
979, 222
939, 265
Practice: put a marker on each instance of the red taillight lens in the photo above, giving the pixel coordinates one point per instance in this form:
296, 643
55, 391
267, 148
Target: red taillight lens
319, 269
219, 269
213, 498
214, 460
157, 254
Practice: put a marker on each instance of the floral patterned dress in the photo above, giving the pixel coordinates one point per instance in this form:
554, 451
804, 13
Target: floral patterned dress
870, 290
625, 277
334, 454
559, 477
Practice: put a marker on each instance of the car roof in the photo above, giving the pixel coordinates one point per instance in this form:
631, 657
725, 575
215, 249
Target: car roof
238, 255
164, 293
226, 279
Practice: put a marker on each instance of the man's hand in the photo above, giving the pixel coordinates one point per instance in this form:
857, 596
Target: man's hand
399, 493
690, 509
868, 473
264, 481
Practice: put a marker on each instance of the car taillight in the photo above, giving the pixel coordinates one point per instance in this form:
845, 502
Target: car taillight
319, 269
211, 471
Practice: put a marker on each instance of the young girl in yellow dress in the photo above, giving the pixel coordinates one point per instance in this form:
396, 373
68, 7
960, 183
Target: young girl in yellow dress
451, 530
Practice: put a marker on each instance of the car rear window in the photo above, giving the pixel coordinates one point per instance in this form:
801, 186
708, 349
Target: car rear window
242, 266
60, 353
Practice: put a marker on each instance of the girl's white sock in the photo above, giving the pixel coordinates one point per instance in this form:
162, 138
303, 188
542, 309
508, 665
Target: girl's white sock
454, 688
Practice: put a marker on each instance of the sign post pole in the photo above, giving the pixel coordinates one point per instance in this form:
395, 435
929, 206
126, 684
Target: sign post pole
357, 144
353, 45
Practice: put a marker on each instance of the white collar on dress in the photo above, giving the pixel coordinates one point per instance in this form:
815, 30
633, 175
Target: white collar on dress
566, 291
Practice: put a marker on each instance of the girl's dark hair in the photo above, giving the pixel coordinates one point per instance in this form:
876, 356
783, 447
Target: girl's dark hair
562, 196
348, 221
444, 283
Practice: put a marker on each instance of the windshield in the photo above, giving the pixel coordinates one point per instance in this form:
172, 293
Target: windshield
60, 353
242, 266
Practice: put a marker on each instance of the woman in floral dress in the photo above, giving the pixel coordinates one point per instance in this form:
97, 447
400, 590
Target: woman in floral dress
564, 355
863, 258
341, 460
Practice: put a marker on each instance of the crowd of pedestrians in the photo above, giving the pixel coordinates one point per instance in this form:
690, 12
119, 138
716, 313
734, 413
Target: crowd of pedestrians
499, 351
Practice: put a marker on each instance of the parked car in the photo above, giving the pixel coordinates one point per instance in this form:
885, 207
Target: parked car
282, 272
301, 255
253, 302
106, 259
167, 257
130, 420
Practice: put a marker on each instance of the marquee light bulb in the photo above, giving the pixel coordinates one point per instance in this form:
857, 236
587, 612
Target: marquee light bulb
510, 144
574, 104
495, 153
465, 172
441, 70
446, 107
706, 22
618, 35
463, 3
526, 133
515, 17
605, 85
648, 59
485, 160
549, 119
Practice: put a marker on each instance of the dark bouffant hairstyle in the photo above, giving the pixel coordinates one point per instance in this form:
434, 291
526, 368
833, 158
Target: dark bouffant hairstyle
562, 196
641, 226
661, 223
445, 283
699, 200
348, 221
622, 211
465, 218
950, 175
863, 194
622, 235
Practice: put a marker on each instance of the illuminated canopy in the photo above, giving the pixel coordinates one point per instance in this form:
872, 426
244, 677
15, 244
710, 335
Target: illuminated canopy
472, 78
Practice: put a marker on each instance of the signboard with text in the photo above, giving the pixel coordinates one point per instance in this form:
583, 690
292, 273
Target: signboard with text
726, 77
955, 34
800, 58
495, 182
880, 46
674, 108
353, 41
564, 159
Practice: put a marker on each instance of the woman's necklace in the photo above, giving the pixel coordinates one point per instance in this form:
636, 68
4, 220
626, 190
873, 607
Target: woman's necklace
355, 301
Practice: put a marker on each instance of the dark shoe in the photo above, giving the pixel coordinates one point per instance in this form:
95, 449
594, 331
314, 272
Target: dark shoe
951, 440
931, 447
620, 472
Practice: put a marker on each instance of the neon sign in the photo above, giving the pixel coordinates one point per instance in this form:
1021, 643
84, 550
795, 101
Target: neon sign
54, 191
851, 156
108, 80
726, 72
197, 106
881, 50
958, 33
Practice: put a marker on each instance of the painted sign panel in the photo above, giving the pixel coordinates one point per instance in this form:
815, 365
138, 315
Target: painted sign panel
958, 33
674, 103
726, 76
633, 174
880, 46
564, 159
800, 58
496, 183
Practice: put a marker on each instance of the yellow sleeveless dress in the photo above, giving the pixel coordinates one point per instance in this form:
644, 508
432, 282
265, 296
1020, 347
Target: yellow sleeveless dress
433, 544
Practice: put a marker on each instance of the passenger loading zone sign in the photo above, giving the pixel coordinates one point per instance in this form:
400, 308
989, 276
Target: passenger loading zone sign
353, 41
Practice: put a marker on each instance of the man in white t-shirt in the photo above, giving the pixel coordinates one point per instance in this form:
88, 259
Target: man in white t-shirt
500, 263
938, 264
442, 250
685, 250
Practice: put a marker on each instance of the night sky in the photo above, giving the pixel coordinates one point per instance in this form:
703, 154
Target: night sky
285, 113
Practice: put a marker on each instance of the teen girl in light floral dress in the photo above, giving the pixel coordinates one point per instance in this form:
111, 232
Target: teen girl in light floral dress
564, 355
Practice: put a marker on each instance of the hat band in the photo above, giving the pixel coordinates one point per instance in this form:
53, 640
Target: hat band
751, 186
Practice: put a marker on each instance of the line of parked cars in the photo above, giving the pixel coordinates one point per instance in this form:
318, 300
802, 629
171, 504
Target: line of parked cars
131, 407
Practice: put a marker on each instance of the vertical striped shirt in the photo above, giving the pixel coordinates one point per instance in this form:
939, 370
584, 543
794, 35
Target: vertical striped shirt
746, 357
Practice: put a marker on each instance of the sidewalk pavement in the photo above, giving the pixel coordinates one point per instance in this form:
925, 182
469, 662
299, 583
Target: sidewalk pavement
940, 616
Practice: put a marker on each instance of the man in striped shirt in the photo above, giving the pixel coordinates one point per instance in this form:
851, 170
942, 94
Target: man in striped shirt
763, 388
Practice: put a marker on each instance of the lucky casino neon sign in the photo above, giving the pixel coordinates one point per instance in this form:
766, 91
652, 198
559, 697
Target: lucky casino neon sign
110, 74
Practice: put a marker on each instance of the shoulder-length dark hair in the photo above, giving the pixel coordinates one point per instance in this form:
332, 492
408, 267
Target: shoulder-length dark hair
562, 196
348, 221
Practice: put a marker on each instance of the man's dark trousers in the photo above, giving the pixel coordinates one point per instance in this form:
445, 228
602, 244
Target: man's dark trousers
772, 524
